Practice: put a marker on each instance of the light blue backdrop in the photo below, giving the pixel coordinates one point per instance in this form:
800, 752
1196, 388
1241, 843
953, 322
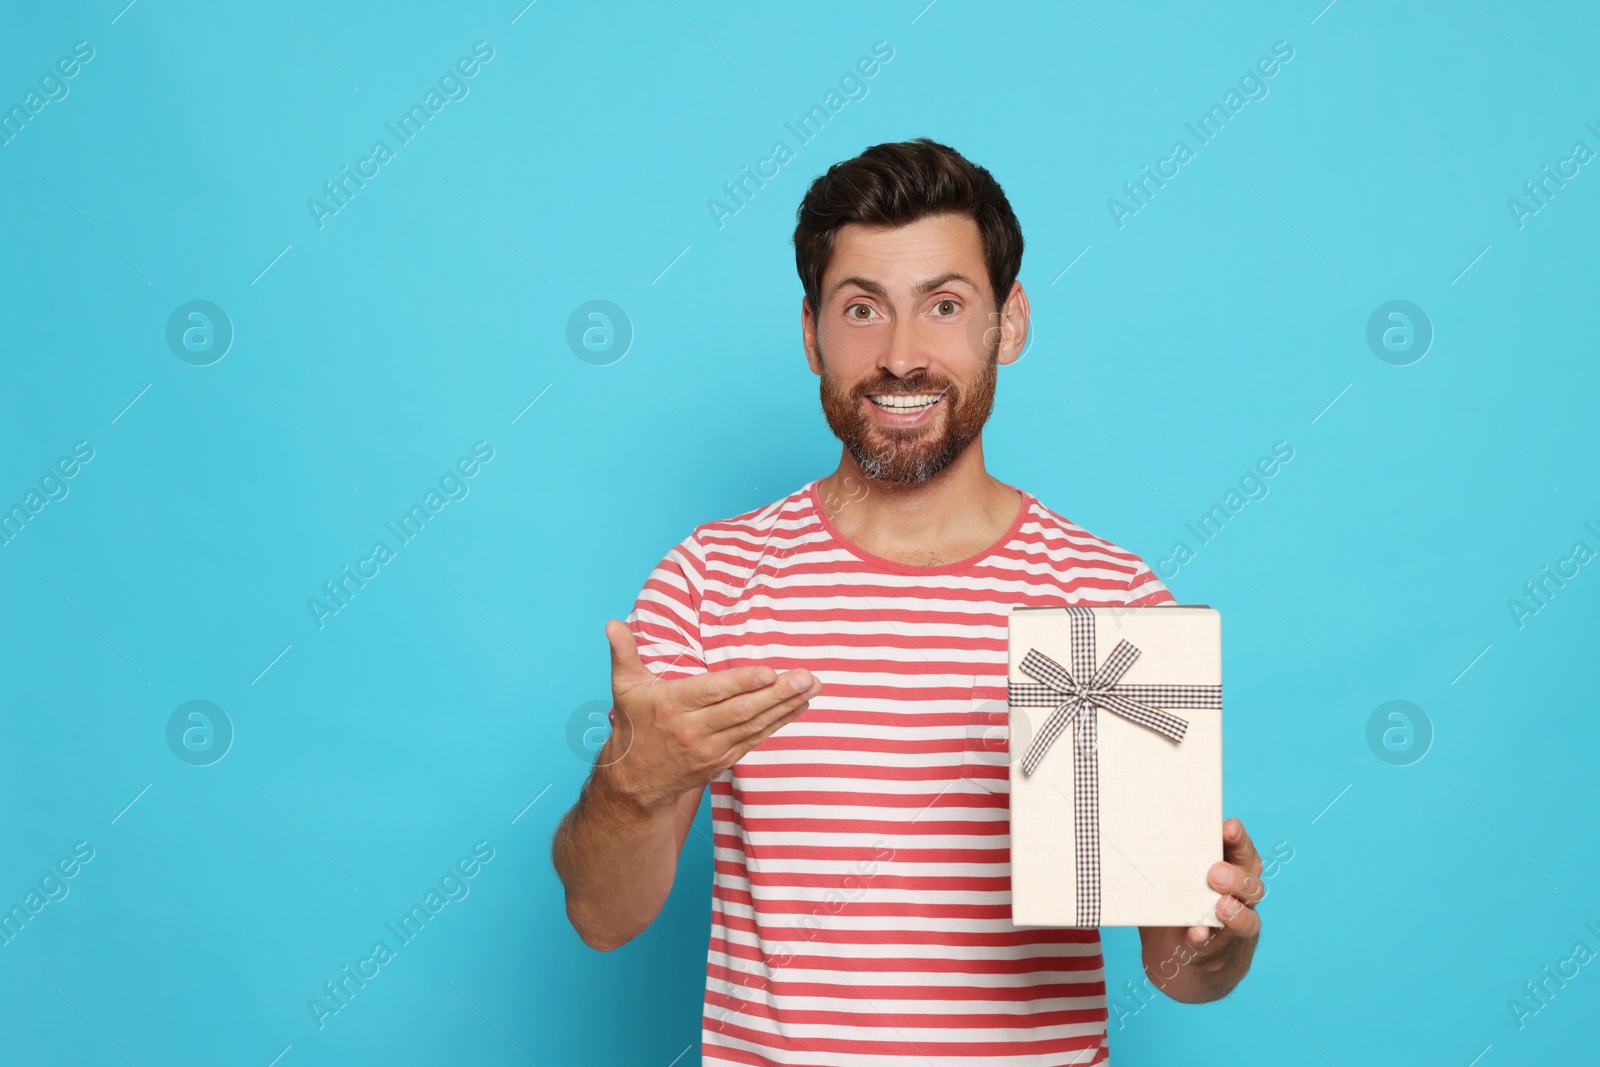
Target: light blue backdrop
444, 705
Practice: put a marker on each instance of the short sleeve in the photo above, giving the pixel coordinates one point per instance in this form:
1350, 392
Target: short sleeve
665, 619
1145, 590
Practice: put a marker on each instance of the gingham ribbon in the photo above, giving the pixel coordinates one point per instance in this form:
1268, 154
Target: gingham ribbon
1059, 688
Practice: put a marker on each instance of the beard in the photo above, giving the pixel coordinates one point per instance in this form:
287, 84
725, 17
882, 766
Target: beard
908, 455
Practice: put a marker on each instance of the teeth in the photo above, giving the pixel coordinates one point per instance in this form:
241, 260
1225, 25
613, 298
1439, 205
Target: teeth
902, 402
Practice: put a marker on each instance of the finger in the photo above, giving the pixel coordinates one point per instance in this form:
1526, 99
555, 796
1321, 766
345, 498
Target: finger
1237, 880
1238, 919
1238, 848
715, 687
761, 725
755, 740
737, 710
627, 669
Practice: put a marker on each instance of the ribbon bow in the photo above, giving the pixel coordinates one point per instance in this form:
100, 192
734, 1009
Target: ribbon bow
1076, 702
1058, 687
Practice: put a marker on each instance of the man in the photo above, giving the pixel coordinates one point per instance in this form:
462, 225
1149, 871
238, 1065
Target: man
829, 663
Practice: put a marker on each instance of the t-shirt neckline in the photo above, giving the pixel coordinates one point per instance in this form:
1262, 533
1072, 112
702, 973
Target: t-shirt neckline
958, 567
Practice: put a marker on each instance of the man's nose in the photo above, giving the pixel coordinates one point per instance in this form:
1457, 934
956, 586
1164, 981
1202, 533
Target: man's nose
907, 350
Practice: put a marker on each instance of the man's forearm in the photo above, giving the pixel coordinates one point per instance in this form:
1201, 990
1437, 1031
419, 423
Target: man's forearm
617, 861
1194, 973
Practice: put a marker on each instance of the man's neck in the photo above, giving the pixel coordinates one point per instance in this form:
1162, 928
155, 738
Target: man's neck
953, 516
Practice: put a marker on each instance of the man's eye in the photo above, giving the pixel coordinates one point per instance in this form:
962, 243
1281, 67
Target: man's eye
863, 309
951, 304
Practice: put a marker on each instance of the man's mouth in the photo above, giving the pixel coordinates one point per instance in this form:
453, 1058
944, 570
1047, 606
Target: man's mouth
905, 403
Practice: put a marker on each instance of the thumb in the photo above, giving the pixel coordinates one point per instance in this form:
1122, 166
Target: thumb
627, 669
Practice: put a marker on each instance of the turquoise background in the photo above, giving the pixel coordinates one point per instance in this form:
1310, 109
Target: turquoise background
438, 708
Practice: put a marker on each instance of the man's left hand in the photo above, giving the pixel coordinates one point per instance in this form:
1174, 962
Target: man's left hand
1193, 964
1238, 878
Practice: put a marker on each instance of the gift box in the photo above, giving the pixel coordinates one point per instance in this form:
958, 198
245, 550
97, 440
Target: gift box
1116, 765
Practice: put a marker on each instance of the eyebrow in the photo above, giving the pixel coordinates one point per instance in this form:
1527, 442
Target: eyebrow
922, 288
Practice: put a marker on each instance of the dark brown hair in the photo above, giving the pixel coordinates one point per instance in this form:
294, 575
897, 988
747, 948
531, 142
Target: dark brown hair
897, 183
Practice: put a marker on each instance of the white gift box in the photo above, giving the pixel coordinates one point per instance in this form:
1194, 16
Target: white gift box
1119, 822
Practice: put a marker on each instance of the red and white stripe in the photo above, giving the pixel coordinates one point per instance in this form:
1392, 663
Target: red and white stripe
861, 904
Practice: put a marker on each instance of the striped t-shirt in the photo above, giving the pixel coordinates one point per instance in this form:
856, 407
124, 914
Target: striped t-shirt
861, 902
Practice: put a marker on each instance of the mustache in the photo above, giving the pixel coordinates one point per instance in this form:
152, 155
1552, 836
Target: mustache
904, 387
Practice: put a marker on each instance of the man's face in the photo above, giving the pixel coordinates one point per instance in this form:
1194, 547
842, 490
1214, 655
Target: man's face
908, 345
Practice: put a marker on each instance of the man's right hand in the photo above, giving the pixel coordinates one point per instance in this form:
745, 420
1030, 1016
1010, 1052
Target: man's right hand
673, 736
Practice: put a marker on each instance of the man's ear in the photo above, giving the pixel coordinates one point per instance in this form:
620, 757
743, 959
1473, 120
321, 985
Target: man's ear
1014, 315
808, 336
